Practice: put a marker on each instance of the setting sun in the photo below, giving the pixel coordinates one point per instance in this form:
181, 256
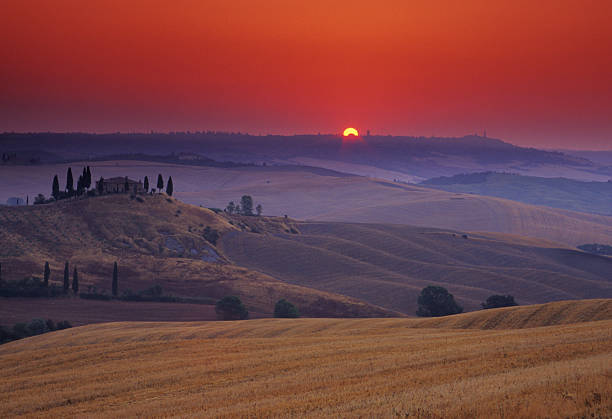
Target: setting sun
350, 131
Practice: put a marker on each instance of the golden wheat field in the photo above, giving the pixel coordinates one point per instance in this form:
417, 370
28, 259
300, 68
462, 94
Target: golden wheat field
317, 368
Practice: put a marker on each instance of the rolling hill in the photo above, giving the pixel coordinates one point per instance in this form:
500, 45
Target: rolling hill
156, 241
326, 195
574, 195
317, 368
388, 265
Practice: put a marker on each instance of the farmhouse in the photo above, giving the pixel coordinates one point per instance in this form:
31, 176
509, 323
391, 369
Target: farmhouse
117, 185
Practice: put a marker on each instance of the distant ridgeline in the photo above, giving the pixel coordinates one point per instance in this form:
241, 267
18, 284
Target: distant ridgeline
597, 249
569, 194
400, 153
190, 159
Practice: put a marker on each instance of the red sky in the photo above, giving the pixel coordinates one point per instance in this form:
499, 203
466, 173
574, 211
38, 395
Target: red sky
535, 73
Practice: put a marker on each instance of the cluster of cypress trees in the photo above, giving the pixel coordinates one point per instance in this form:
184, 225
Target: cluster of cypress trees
75, 278
83, 184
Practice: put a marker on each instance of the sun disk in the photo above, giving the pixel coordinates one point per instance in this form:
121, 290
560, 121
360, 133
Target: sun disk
350, 131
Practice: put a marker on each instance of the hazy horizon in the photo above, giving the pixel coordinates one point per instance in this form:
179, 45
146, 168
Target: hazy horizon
535, 75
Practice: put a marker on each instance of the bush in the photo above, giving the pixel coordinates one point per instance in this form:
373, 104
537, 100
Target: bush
37, 327
28, 287
284, 309
63, 325
437, 301
498, 301
211, 235
231, 308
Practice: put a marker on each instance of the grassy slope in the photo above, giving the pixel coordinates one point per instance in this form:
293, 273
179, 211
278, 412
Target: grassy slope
158, 241
593, 197
306, 193
388, 265
317, 368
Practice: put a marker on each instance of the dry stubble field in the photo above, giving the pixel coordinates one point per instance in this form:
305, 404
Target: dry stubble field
310, 367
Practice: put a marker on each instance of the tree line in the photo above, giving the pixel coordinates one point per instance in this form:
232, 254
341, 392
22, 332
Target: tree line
435, 301
231, 308
245, 207
35, 287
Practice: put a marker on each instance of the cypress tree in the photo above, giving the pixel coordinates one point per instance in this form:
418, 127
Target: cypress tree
115, 280
66, 278
47, 274
80, 185
160, 183
55, 191
126, 185
88, 178
146, 184
75, 281
69, 182
169, 187
101, 185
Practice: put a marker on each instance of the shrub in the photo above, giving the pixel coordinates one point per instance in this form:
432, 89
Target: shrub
32, 287
231, 308
37, 327
498, 301
63, 325
20, 330
211, 235
436, 301
284, 309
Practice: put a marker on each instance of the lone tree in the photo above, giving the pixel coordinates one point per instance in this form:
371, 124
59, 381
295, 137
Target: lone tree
160, 183
246, 202
497, 301
258, 209
436, 301
126, 185
169, 187
115, 280
284, 309
75, 281
231, 308
66, 278
100, 185
55, 191
69, 182
146, 184
47, 274
231, 207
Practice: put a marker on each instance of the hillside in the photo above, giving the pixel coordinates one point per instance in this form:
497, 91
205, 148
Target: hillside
569, 194
311, 368
156, 241
326, 195
388, 265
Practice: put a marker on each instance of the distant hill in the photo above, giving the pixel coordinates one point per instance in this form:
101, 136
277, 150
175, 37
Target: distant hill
414, 157
593, 197
156, 241
388, 265
313, 193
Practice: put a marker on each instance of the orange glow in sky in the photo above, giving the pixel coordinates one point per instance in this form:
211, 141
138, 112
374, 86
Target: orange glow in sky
535, 73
